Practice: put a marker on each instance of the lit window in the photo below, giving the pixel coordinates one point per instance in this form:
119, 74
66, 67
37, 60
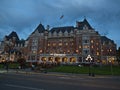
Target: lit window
68, 51
76, 50
85, 46
54, 44
91, 46
72, 43
40, 50
79, 46
66, 44
60, 44
110, 50
91, 41
34, 52
48, 44
96, 43
98, 53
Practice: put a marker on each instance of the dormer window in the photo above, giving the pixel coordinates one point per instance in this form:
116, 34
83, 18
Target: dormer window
66, 33
50, 34
55, 33
60, 33
85, 27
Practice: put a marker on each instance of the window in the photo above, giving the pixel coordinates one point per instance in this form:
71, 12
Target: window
66, 44
85, 27
110, 50
86, 51
86, 41
91, 46
60, 44
34, 52
91, 41
40, 51
76, 50
86, 46
72, 44
79, 46
97, 44
54, 44
48, 44
98, 53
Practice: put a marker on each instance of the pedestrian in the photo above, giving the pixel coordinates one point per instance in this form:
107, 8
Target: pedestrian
33, 66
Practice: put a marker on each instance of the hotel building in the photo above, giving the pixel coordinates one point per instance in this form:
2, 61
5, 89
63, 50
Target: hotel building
69, 45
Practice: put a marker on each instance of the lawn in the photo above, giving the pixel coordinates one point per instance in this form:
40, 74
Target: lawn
10, 65
99, 70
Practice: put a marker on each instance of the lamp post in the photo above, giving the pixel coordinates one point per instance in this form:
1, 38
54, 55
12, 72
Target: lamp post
89, 59
111, 65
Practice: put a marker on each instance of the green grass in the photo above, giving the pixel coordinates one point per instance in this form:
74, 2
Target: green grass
10, 65
103, 70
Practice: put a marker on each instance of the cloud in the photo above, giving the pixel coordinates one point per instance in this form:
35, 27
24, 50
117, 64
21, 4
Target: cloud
23, 16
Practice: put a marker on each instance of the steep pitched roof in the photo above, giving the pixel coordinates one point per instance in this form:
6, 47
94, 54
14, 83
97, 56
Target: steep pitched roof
62, 29
105, 39
40, 28
81, 25
21, 42
13, 34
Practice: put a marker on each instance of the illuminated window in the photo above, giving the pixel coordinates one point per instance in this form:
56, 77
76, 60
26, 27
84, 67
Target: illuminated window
60, 44
85, 46
34, 52
54, 44
76, 50
72, 44
68, 51
48, 44
91, 46
98, 53
110, 50
40, 51
91, 41
79, 46
66, 44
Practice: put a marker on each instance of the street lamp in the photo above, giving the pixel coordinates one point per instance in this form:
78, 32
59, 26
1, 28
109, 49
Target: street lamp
111, 65
89, 59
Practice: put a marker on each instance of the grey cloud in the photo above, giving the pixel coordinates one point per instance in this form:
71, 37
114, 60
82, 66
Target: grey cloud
25, 15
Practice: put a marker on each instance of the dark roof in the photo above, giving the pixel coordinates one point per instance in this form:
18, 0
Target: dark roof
21, 42
40, 28
80, 25
62, 29
105, 39
11, 35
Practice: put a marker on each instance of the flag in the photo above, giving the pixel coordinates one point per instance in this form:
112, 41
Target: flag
61, 16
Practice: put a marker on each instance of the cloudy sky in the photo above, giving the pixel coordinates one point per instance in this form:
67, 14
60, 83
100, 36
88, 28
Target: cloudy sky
23, 16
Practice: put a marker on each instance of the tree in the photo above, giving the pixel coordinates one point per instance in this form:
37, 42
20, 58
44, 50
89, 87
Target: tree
22, 62
118, 55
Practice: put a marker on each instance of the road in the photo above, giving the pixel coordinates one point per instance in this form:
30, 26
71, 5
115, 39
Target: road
17, 81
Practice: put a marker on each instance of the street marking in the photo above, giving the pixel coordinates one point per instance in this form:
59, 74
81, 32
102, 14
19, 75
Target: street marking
65, 77
24, 87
